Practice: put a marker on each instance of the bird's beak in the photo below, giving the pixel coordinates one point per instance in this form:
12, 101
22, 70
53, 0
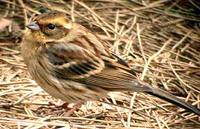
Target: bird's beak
33, 26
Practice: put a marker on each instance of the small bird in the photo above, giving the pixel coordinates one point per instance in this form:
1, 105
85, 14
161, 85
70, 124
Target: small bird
73, 64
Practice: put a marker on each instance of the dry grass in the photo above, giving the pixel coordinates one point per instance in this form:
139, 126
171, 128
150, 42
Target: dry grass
160, 39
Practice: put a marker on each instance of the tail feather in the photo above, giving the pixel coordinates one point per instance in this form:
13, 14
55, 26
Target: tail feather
171, 98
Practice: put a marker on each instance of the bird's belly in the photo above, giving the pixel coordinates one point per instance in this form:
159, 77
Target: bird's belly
65, 90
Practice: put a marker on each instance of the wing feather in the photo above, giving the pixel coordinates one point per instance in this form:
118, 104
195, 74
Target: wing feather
71, 61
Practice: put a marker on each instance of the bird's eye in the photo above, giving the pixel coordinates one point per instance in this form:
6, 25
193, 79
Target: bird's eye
51, 26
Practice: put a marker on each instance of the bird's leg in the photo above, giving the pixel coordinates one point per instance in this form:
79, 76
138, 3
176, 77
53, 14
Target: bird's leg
60, 106
74, 108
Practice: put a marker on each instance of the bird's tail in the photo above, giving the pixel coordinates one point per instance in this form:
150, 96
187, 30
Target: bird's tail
170, 98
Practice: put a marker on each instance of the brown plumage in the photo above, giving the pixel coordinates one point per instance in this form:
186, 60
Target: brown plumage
71, 63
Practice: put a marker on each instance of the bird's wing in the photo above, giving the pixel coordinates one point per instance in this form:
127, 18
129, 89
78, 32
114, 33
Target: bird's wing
70, 61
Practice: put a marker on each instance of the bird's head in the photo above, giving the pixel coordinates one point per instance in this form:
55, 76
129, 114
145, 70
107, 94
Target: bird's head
50, 26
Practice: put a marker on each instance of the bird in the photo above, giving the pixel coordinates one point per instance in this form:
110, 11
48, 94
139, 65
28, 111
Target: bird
71, 63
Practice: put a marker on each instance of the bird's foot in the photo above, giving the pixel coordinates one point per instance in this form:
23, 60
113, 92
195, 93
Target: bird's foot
73, 109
